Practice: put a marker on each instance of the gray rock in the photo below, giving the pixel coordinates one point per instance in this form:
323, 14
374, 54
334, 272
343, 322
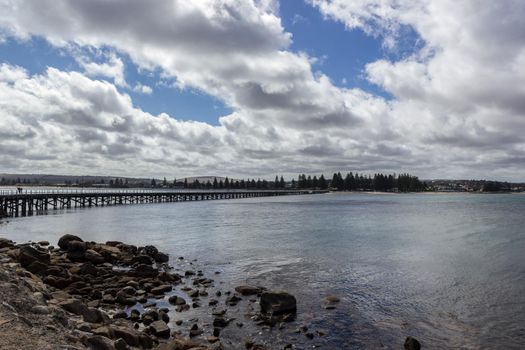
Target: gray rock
63, 242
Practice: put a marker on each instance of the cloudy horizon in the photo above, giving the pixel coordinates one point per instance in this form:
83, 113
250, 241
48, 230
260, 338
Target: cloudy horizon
244, 88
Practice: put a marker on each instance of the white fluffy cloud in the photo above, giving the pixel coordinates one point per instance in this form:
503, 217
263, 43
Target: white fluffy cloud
457, 108
113, 68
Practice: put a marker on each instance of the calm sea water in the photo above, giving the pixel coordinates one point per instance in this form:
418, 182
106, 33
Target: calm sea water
448, 269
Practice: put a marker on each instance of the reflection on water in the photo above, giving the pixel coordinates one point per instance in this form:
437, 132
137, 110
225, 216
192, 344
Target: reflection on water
447, 269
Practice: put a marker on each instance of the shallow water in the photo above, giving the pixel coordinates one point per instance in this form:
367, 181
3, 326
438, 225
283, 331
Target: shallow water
448, 269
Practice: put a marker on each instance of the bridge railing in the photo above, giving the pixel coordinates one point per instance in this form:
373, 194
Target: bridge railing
11, 192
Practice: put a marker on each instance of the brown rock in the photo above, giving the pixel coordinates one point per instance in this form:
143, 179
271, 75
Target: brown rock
74, 306
29, 255
160, 329
248, 290
93, 315
98, 342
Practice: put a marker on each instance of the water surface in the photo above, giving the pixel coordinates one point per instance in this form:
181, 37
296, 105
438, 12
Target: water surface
448, 269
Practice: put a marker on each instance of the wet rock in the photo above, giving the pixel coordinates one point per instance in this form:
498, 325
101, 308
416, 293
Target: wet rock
120, 314
233, 300
278, 303
161, 289
248, 290
29, 255
195, 331
176, 300
332, 299
161, 257
141, 259
144, 270
63, 242
134, 315
412, 344
160, 329
220, 322
99, 342
164, 316
149, 250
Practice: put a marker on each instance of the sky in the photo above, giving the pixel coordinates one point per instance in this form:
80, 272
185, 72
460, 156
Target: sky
256, 88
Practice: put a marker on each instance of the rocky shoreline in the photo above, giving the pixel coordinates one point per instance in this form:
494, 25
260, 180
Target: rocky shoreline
113, 295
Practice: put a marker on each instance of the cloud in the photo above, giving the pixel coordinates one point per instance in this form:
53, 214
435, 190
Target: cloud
113, 68
457, 99
143, 89
10, 74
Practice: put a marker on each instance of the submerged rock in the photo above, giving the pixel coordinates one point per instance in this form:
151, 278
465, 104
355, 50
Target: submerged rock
412, 344
248, 290
278, 303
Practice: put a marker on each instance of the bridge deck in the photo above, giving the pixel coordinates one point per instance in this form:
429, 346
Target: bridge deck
15, 204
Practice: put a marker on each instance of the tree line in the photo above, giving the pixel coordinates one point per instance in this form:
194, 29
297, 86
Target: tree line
360, 182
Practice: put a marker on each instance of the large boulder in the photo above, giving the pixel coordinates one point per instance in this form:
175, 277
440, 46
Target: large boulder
149, 250
63, 242
6, 243
161, 257
76, 250
278, 303
29, 254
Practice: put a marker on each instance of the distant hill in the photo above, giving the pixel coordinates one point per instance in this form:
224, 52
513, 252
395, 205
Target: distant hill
48, 179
